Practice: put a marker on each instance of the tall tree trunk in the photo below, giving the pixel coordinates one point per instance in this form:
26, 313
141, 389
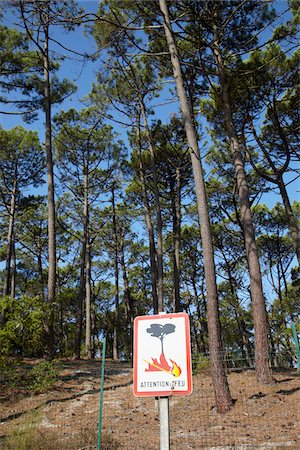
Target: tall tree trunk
176, 207
129, 301
159, 254
93, 323
196, 323
201, 314
148, 223
116, 270
88, 300
221, 388
14, 270
10, 233
127, 293
40, 266
87, 264
263, 373
80, 300
51, 201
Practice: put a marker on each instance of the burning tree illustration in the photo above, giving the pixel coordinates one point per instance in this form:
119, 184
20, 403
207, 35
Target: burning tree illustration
161, 331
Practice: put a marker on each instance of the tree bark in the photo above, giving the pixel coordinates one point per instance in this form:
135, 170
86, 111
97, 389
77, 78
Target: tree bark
129, 301
262, 369
80, 299
221, 388
159, 253
148, 224
9, 250
14, 270
116, 269
176, 206
50, 196
88, 298
40, 266
87, 265
127, 293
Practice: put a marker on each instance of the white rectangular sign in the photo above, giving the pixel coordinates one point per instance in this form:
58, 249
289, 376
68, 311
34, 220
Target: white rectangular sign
162, 355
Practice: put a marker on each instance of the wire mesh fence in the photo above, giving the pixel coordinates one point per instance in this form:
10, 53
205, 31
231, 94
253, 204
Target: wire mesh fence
66, 416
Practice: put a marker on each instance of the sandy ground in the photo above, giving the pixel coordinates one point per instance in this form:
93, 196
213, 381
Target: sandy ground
263, 417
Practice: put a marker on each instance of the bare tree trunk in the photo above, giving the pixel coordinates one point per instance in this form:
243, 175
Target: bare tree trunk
79, 302
14, 270
221, 388
176, 206
116, 268
88, 296
160, 286
263, 372
197, 328
51, 201
130, 304
93, 326
87, 260
40, 266
127, 293
148, 223
10, 233
201, 315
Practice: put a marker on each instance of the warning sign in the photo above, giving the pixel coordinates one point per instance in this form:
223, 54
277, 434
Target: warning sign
162, 355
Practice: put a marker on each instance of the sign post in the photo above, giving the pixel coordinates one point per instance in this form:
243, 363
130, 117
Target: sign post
162, 362
164, 423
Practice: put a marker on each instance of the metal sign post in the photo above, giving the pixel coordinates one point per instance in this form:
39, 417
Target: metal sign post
164, 423
162, 362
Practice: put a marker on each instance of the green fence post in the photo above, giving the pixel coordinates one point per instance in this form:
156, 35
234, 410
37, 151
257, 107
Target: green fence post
101, 394
296, 344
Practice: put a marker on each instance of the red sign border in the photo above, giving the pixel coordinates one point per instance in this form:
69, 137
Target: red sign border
188, 357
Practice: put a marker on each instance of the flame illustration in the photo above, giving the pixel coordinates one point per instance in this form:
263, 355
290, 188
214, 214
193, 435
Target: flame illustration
176, 370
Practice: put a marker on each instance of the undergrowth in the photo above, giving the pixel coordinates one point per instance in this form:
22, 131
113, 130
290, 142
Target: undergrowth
38, 378
28, 435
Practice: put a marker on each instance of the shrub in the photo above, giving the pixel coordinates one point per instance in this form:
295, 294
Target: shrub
43, 375
23, 330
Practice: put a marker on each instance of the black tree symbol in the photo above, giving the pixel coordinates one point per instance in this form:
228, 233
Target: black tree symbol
161, 331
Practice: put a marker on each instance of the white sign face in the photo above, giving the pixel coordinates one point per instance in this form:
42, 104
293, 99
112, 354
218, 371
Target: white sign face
162, 355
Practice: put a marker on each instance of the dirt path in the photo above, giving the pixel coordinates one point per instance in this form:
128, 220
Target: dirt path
262, 418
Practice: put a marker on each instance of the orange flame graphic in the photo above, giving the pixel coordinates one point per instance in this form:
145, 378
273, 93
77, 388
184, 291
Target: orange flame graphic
176, 370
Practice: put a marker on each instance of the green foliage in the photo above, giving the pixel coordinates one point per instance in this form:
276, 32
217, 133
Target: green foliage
43, 375
12, 372
23, 330
22, 159
17, 374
